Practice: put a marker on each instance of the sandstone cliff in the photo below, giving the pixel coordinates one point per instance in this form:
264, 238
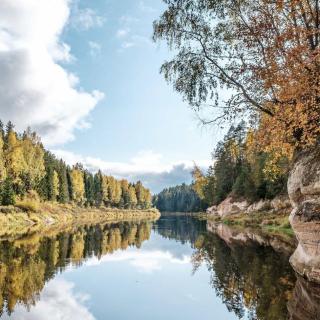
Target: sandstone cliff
304, 193
230, 206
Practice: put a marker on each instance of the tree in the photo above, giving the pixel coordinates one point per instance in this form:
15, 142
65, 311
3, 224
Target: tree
89, 187
266, 53
98, 191
7, 193
133, 201
125, 195
210, 187
69, 182
63, 183
78, 185
140, 194
199, 181
147, 199
33, 155
3, 170
46, 188
106, 191
56, 185
15, 162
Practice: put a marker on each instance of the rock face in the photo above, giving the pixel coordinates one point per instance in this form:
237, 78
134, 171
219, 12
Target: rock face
280, 203
230, 206
262, 205
304, 193
212, 210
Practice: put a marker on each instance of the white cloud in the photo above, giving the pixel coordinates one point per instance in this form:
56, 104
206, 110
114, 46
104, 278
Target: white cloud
35, 90
127, 36
143, 162
143, 261
122, 33
147, 166
87, 18
127, 45
57, 302
62, 52
95, 48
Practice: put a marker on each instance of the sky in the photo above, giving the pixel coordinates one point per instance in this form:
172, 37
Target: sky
85, 75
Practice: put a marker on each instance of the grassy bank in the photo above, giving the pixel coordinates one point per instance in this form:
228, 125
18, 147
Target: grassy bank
15, 220
273, 222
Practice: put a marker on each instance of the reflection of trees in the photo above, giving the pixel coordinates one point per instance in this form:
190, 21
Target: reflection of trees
182, 228
249, 279
26, 264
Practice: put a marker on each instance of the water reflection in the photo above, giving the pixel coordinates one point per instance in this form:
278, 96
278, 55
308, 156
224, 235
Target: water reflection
253, 281
249, 273
305, 301
250, 269
26, 264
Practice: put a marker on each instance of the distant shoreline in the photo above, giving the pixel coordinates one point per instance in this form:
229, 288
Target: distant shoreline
167, 213
15, 221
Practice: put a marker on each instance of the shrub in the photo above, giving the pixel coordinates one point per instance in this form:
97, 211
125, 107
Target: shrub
28, 205
30, 202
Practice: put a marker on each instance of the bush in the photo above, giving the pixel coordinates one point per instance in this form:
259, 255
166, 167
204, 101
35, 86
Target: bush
31, 202
28, 205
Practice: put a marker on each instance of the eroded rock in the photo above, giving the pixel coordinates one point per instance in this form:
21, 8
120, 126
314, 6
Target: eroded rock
280, 203
262, 205
229, 207
212, 210
304, 193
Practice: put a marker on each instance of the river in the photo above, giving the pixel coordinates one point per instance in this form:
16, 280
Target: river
176, 268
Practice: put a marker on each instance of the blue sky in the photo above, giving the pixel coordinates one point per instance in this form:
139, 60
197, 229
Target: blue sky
100, 99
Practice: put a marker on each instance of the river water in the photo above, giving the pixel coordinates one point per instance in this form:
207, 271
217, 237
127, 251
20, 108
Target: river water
175, 268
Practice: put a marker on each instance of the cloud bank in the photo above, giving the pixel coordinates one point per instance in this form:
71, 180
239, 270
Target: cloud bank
147, 166
36, 90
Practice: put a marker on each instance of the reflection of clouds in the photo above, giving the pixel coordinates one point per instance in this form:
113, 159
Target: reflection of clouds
143, 261
57, 302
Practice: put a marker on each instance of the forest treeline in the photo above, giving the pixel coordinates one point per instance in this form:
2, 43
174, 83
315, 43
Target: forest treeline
241, 169
182, 198
29, 172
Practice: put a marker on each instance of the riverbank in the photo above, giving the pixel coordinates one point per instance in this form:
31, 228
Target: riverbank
14, 220
238, 234
273, 222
